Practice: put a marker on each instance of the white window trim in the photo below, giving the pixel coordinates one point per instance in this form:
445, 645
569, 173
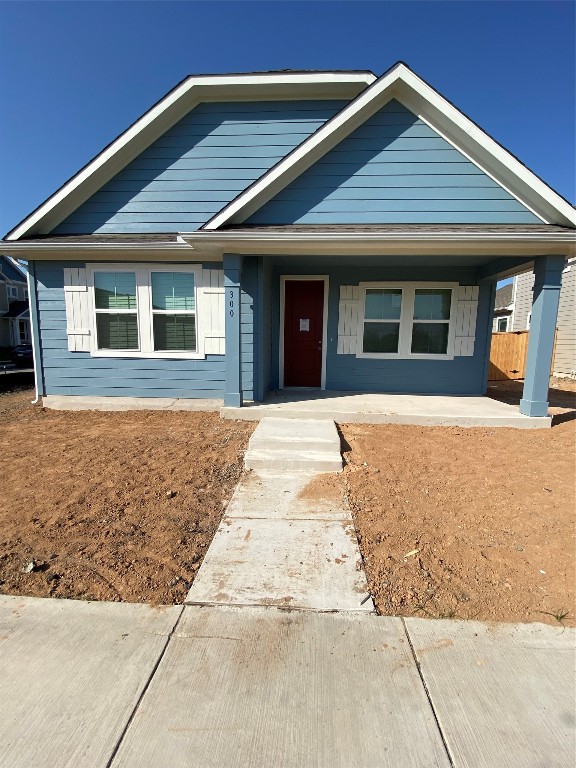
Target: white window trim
12, 292
144, 310
499, 320
406, 321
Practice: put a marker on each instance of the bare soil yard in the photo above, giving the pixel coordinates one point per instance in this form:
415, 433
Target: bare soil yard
468, 523
111, 506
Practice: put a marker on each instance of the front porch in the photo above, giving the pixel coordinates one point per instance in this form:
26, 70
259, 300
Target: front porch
385, 408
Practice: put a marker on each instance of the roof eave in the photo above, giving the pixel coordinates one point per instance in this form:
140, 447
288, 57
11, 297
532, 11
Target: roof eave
373, 243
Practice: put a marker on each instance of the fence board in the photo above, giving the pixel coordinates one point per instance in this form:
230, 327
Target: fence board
508, 355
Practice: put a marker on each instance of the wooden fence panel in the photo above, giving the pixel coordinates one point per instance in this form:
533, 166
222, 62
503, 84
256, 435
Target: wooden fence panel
508, 354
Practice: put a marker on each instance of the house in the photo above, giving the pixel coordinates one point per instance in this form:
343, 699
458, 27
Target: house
564, 364
503, 307
251, 232
14, 311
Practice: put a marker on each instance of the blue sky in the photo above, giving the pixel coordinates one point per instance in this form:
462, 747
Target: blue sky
73, 75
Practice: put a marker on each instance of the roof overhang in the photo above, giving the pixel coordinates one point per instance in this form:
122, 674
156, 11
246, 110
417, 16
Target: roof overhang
422, 243
168, 111
404, 85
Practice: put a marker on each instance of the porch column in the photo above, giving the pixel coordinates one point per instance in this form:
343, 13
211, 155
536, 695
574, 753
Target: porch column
232, 277
547, 282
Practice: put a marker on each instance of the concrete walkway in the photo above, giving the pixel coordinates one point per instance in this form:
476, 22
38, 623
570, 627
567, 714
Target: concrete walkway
103, 685
276, 547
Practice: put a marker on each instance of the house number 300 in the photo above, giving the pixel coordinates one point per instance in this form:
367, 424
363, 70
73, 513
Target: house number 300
231, 304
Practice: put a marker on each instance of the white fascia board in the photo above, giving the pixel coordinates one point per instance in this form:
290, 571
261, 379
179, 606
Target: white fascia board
372, 243
107, 252
166, 113
428, 104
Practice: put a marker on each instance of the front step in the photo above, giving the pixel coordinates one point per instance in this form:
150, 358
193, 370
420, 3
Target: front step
294, 444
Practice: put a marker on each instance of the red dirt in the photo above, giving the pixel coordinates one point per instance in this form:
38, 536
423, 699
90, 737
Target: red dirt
467, 523
111, 506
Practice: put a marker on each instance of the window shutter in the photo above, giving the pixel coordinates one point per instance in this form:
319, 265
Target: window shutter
211, 313
466, 310
77, 309
348, 319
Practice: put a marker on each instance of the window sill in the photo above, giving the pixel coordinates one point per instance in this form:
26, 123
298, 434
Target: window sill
380, 356
148, 355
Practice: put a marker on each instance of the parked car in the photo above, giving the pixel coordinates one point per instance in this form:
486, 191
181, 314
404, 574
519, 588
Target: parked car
22, 356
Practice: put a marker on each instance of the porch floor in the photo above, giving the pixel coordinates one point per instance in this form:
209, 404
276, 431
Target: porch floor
379, 408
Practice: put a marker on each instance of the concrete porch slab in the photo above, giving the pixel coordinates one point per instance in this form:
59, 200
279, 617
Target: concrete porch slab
306, 564
261, 687
503, 693
378, 408
72, 673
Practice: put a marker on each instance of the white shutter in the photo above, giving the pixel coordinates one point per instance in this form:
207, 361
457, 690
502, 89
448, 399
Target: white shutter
211, 311
466, 310
348, 319
77, 309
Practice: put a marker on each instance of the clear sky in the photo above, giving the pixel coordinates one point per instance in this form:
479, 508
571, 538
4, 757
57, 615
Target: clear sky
73, 75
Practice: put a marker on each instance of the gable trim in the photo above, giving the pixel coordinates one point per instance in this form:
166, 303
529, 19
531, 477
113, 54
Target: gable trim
166, 112
442, 116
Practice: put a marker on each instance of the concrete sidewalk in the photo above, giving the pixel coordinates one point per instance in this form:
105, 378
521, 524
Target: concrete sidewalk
105, 685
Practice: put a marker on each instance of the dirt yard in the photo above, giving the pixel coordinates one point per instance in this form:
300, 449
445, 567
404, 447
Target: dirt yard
111, 506
468, 523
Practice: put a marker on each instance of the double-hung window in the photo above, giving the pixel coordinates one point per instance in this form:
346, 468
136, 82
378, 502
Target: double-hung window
411, 320
144, 311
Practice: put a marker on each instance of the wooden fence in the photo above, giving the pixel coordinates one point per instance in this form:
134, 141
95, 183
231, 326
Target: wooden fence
508, 355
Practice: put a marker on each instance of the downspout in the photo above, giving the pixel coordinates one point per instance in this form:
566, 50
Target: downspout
34, 331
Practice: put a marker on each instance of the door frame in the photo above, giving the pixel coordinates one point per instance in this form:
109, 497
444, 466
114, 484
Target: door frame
318, 278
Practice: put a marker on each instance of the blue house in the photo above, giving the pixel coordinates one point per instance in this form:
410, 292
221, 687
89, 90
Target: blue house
254, 232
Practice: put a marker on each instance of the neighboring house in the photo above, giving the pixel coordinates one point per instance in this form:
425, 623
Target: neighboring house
14, 311
259, 231
565, 355
503, 307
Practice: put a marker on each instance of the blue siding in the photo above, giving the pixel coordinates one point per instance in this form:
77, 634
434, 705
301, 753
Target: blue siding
198, 166
249, 324
393, 169
77, 373
462, 375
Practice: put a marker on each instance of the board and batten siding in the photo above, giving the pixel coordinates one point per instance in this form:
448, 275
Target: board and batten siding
198, 166
393, 169
77, 373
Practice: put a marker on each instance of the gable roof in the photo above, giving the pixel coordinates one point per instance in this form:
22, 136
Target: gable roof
11, 270
503, 297
257, 86
415, 94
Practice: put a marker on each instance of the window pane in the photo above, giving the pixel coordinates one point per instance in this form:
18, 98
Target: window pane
430, 338
432, 304
116, 331
173, 290
115, 290
381, 337
383, 304
175, 333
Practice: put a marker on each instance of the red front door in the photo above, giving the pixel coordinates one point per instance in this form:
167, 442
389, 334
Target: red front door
303, 330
